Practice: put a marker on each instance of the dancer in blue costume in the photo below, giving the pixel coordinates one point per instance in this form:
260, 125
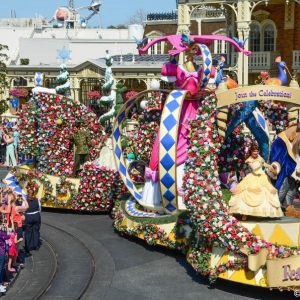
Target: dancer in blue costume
283, 159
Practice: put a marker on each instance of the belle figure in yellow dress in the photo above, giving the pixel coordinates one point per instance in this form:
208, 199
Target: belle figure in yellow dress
255, 195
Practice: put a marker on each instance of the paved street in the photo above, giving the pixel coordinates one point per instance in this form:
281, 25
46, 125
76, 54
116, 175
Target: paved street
83, 257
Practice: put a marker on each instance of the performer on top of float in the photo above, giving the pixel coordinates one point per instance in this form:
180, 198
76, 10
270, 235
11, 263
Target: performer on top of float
106, 157
282, 157
255, 195
81, 140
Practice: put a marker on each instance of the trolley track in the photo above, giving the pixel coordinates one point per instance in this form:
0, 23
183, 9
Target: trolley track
59, 278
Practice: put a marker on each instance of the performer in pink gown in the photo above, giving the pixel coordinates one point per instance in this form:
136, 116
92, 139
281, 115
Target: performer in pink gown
186, 77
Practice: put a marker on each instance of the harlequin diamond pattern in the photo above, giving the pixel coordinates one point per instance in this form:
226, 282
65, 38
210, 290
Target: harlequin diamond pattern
167, 162
118, 151
129, 183
117, 134
167, 180
168, 142
170, 207
121, 116
122, 169
170, 122
172, 105
176, 94
169, 195
206, 72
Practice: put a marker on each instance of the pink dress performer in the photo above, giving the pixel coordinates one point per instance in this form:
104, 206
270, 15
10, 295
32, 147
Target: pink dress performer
189, 79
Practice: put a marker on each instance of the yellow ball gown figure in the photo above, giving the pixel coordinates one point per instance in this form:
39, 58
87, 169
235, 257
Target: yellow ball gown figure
255, 195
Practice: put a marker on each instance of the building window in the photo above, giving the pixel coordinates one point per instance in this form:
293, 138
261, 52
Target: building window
90, 84
51, 83
158, 48
220, 47
263, 36
20, 81
269, 38
255, 38
153, 49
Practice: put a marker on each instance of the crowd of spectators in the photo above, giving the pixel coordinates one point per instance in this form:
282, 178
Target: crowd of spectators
9, 143
20, 219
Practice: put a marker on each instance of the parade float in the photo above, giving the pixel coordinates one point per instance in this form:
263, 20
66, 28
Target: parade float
186, 138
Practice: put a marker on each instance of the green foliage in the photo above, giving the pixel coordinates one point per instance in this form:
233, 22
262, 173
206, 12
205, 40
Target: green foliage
3, 58
120, 90
3, 106
24, 61
111, 27
226, 194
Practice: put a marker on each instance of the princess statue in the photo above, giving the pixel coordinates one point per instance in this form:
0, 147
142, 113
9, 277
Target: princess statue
255, 195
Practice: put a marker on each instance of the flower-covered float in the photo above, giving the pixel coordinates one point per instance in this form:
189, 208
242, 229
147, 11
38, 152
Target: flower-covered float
47, 121
185, 139
183, 204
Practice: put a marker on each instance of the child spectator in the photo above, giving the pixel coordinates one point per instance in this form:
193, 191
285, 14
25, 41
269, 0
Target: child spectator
3, 238
13, 251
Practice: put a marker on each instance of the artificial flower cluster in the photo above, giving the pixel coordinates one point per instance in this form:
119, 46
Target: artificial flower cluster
41, 136
213, 224
130, 94
151, 233
156, 101
28, 139
93, 95
32, 185
99, 187
232, 151
143, 141
65, 186
277, 115
22, 92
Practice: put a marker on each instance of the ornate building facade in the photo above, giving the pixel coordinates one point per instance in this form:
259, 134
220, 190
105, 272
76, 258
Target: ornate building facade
269, 29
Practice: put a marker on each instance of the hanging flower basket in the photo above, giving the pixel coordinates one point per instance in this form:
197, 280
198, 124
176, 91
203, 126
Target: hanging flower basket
93, 95
14, 93
130, 94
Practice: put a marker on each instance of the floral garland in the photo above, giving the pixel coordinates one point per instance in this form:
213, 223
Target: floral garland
213, 224
32, 185
152, 234
18, 177
64, 186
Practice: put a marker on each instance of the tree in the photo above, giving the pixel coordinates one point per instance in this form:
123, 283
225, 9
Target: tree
140, 15
122, 26
111, 27
3, 59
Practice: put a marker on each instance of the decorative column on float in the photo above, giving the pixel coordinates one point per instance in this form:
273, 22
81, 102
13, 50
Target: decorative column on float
184, 22
243, 19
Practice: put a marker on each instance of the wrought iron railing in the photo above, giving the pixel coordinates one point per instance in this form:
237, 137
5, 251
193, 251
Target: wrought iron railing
162, 16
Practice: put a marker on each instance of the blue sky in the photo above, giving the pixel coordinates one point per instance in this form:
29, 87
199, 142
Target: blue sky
114, 12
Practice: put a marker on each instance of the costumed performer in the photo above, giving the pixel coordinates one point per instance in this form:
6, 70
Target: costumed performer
81, 140
282, 157
186, 77
255, 195
106, 156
